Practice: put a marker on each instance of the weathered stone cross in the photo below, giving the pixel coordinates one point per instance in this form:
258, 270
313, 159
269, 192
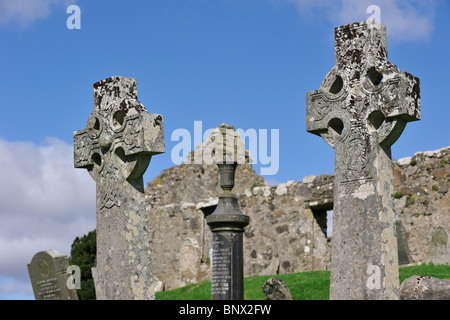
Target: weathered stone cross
360, 110
116, 147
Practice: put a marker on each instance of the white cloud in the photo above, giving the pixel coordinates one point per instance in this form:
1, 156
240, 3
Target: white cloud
271, 181
25, 12
405, 20
44, 204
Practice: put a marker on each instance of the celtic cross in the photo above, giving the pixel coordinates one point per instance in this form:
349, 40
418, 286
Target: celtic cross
361, 109
116, 147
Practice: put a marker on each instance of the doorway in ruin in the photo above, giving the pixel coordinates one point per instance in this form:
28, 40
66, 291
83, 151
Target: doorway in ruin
323, 214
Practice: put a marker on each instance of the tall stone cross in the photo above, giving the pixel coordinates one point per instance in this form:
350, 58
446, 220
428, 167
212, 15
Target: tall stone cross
361, 109
116, 147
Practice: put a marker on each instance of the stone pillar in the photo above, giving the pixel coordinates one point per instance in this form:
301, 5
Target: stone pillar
227, 224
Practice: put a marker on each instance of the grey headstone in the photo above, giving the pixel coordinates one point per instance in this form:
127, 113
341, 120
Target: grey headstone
276, 289
360, 110
49, 276
404, 254
189, 260
425, 288
116, 147
439, 246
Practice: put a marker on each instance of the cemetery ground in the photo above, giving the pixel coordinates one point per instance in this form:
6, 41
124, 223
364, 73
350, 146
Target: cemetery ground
309, 285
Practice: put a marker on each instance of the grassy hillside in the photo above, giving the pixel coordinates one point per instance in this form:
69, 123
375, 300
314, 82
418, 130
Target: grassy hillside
311, 285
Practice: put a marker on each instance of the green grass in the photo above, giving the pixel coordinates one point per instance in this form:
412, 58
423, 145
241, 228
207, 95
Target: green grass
200, 291
311, 285
437, 271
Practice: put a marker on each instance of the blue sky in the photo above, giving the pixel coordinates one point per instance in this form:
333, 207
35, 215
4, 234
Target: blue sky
248, 63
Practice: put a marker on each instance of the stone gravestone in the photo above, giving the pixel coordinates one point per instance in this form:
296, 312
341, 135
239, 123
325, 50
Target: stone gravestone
404, 255
227, 223
276, 289
361, 109
116, 147
49, 276
439, 246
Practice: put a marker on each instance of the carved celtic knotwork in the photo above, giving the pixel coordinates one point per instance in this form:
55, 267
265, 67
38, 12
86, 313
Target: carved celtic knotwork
361, 82
132, 137
81, 149
321, 109
355, 167
110, 184
117, 122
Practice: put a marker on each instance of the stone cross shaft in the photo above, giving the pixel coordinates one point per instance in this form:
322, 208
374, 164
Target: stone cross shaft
116, 147
361, 109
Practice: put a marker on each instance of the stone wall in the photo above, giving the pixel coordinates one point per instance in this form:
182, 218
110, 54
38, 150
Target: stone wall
288, 224
422, 204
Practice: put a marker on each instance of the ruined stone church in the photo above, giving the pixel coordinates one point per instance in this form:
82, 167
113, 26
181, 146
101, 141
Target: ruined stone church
289, 230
